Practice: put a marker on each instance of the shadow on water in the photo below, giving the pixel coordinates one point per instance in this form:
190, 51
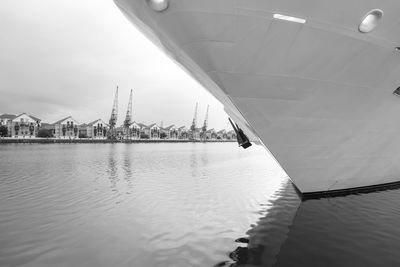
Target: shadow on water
262, 245
351, 230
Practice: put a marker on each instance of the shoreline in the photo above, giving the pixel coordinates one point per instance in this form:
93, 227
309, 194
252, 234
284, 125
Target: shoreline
101, 141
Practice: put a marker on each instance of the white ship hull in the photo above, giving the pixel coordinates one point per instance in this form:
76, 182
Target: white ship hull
319, 94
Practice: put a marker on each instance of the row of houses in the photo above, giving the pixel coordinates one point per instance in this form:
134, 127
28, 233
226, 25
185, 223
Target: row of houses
28, 126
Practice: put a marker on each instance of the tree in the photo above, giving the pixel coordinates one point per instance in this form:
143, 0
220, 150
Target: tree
45, 133
3, 131
163, 135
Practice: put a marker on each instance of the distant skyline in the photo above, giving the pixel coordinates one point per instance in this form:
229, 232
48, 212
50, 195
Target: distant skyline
61, 58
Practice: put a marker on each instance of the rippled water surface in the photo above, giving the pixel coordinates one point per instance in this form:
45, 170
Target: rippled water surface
130, 204
179, 205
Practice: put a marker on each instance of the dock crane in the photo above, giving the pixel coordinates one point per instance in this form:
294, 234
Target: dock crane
128, 118
113, 119
204, 128
194, 123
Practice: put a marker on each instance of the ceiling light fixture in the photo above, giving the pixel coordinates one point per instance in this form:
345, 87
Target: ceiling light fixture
158, 5
370, 21
289, 18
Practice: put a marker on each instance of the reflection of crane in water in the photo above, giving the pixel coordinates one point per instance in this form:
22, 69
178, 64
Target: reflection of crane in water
114, 116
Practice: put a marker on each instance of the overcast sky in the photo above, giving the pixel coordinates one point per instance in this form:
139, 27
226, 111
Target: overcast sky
61, 58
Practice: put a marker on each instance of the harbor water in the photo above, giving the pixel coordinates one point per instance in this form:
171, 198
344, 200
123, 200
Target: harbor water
189, 204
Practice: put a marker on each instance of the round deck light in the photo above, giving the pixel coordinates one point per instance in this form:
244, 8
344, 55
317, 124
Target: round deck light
158, 5
370, 21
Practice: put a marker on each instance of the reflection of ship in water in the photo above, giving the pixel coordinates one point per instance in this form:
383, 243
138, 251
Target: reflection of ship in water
267, 236
352, 230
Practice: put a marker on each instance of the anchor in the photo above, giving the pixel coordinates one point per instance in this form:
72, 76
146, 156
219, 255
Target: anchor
242, 139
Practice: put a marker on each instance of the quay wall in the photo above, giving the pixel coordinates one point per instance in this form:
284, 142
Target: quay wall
105, 141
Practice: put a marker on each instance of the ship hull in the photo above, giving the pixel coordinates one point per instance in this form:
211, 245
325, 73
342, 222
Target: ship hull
318, 95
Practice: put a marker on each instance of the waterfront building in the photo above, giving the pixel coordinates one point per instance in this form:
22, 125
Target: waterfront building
66, 128
154, 131
135, 130
164, 133
132, 132
183, 132
196, 134
231, 135
96, 129
210, 134
23, 126
5, 118
170, 132
142, 131
119, 132
151, 131
222, 134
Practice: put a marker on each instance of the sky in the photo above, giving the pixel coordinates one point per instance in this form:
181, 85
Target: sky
62, 58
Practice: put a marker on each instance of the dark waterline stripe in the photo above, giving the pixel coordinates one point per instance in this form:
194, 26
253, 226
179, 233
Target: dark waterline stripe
349, 191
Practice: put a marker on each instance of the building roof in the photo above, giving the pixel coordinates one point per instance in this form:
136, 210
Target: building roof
69, 117
222, 131
141, 125
133, 124
170, 127
35, 118
182, 128
151, 126
7, 116
94, 122
30, 116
